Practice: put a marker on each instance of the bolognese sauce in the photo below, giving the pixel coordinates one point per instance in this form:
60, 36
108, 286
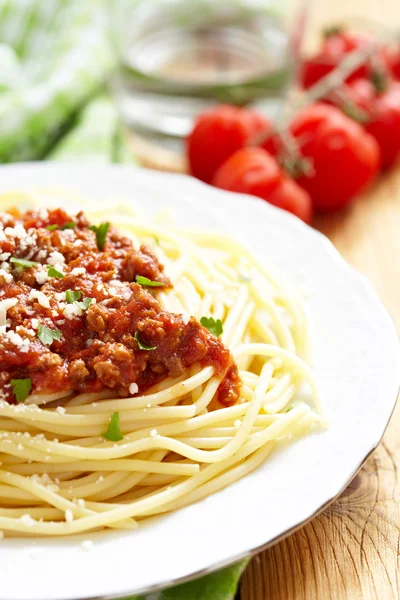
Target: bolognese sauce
73, 317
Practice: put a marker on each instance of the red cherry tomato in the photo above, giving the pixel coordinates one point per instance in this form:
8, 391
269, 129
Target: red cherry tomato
217, 134
291, 197
334, 49
394, 63
254, 171
316, 67
344, 158
383, 116
303, 127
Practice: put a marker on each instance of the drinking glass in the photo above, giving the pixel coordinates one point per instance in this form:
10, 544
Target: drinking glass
179, 57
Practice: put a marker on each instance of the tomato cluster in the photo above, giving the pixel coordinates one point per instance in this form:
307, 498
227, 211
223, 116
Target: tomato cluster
371, 94
329, 152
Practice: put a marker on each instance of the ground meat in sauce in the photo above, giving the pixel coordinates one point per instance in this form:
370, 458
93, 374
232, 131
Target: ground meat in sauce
99, 344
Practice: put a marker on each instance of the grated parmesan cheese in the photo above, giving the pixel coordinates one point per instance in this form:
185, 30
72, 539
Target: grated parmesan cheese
22, 343
71, 311
4, 306
40, 297
55, 258
27, 520
41, 275
133, 388
16, 232
69, 517
78, 271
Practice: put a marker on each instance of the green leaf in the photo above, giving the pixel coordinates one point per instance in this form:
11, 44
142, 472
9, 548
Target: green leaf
221, 585
86, 302
113, 433
144, 281
23, 263
101, 234
52, 272
21, 388
214, 326
289, 408
69, 225
71, 296
143, 346
47, 335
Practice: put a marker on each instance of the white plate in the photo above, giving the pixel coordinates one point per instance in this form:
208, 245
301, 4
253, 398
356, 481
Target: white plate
356, 362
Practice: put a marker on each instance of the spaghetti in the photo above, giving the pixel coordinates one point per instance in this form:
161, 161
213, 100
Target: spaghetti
106, 420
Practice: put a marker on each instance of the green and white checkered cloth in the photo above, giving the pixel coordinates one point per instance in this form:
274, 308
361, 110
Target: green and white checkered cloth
54, 59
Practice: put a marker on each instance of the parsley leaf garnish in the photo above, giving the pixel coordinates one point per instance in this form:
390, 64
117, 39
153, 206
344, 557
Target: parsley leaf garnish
52, 272
289, 408
84, 305
71, 296
22, 262
47, 335
143, 346
144, 281
21, 388
214, 326
113, 433
69, 225
101, 234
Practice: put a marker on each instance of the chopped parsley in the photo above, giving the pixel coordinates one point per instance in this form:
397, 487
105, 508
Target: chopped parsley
113, 433
71, 296
86, 302
21, 388
214, 326
289, 408
144, 281
143, 346
69, 225
47, 335
23, 263
52, 272
101, 234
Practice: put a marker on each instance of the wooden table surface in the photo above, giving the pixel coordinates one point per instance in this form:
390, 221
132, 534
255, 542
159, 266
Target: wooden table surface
352, 550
